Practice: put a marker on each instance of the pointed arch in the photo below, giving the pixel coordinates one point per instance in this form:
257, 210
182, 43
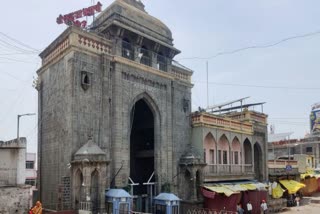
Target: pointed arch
188, 179
149, 101
223, 150
210, 148
78, 187
235, 151
94, 190
247, 150
144, 137
258, 159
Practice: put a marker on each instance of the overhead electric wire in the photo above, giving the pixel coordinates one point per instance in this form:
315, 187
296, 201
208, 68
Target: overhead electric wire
19, 42
15, 60
254, 47
15, 53
259, 86
13, 46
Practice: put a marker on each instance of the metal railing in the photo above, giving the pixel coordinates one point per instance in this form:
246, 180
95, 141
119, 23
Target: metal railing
161, 62
127, 50
85, 206
162, 66
146, 59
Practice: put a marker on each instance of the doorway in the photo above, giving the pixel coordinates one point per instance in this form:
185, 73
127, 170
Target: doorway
141, 146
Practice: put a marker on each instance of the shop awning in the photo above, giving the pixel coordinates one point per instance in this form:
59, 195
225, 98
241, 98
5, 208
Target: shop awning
222, 189
249, 186
234, 188
277, 191
292, 186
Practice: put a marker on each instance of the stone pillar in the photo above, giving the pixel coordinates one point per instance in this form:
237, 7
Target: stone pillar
117, 48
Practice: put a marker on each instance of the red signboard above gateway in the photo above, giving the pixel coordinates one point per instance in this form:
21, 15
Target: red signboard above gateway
72, 18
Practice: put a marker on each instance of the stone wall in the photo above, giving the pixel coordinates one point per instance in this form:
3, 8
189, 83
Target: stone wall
14, 200
12, 162
54, 127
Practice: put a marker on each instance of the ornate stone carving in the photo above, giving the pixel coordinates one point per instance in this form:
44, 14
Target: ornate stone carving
143, 81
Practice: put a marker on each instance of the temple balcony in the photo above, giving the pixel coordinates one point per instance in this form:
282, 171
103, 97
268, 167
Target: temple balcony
216, 172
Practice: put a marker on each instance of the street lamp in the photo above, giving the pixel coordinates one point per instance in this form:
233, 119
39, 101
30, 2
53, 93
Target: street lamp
21, 161
18, 117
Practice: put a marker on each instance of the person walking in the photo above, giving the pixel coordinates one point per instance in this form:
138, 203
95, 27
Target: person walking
264, 207
249, 207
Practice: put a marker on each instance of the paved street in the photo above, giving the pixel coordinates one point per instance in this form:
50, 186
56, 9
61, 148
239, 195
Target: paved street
306, 206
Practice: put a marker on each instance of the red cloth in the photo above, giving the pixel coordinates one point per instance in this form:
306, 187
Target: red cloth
221, 202
207, 193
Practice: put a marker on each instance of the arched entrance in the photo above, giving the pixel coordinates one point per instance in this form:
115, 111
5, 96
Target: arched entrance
142, 140
258, 162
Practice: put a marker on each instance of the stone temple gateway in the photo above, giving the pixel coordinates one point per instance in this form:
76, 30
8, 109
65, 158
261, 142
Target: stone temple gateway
114, 111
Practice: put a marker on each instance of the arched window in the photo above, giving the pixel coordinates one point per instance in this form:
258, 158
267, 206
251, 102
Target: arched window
209, 146
85, 80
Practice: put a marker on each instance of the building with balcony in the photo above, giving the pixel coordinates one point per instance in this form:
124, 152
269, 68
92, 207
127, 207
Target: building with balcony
234, 145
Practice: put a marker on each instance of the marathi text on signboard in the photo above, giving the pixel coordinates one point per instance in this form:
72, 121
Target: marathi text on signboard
72, 18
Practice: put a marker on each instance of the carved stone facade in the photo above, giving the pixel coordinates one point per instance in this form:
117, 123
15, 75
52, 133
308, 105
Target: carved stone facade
117, 83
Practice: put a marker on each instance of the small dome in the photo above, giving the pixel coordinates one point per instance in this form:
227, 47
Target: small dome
91, 152
131, 13
167, 197
117, 193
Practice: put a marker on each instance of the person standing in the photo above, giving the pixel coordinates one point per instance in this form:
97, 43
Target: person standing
264, 207
240, 210
249, 207
297, 199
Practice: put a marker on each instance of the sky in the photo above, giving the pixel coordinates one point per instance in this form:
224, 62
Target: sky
285, 76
